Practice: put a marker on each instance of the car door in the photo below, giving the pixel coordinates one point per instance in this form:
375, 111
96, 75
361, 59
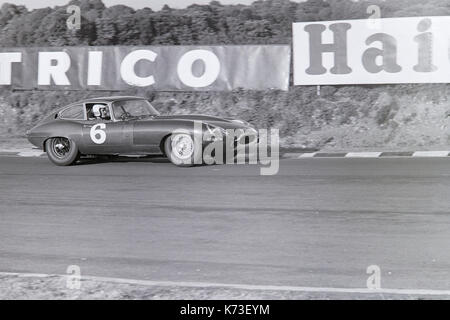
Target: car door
106, 136
147, 137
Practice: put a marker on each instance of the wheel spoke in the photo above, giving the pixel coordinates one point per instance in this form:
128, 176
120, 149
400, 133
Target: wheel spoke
60, 147
182, 146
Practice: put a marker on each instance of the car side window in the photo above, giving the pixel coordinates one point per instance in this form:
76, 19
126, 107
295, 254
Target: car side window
97, 111
118, 110
73, 113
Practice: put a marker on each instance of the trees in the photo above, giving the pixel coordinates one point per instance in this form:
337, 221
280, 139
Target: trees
9, 11
264, 21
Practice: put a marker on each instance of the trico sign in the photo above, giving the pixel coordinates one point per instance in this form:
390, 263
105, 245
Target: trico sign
392, 50
155, 67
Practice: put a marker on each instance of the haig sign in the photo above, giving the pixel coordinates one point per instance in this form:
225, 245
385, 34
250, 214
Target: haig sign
161, 68
393, 50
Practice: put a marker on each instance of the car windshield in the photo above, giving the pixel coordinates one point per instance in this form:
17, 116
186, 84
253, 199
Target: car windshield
133, 109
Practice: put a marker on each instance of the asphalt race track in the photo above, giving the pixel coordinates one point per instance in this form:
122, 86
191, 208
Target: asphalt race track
319, 222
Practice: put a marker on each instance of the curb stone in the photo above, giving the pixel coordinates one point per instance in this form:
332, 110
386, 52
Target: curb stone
390, 154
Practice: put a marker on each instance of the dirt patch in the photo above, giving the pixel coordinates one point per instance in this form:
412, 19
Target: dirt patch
56, 287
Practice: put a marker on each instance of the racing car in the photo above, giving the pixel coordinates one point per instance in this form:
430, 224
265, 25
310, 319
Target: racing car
126, 125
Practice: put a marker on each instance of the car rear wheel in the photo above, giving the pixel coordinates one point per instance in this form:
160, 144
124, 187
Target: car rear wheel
181, 150
62, 151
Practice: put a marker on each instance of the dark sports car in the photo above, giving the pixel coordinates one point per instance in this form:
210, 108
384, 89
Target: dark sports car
132, 126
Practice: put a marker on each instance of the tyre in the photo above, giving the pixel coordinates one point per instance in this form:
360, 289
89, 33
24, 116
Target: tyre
181, 149
62, 151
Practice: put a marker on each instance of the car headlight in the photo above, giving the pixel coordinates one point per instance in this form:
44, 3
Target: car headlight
216, 133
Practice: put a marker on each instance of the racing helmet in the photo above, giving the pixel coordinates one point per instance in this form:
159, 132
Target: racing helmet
96, 109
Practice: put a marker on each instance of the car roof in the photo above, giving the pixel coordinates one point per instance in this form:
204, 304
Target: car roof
111, 99
100, 99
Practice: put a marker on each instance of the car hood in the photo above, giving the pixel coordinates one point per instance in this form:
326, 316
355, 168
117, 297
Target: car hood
215, 121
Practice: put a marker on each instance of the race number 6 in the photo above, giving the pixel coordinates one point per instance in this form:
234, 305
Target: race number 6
98, 135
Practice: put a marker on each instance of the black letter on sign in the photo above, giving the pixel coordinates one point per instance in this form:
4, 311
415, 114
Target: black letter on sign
388, 54
425, 41
317, 48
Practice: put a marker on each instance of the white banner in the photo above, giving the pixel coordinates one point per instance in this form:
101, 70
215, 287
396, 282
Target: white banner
160, 68
372, 51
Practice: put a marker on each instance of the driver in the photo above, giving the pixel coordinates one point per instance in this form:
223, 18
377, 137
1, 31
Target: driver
100, 112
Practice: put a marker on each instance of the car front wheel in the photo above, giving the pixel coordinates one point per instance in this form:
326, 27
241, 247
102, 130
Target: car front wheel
62, 151
181, 150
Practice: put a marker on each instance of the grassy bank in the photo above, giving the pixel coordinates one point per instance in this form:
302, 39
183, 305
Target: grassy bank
347, 118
